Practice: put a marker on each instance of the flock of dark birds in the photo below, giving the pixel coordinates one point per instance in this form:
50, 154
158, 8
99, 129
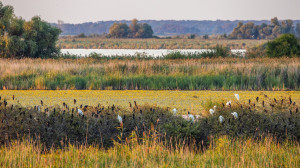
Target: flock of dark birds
99, 124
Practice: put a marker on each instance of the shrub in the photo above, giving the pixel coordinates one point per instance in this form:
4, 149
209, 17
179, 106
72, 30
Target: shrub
285, 45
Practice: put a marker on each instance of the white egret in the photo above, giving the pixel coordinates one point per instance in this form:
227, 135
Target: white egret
191, 116
228, 103
221, 119
174, 111
80, 112
211, 111
120, 119
237, 97
235, 115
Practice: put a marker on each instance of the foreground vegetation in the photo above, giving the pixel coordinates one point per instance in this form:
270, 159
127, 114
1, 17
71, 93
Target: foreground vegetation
177, 74
265, 133
224, 153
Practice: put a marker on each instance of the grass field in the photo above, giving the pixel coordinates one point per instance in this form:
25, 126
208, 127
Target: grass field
184, 101
135, 74
103, 43
225, 153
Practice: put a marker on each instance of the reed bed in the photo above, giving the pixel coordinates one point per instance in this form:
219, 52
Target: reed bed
135, 74
103, 43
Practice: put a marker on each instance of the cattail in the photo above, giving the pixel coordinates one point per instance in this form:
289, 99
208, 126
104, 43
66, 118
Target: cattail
13, 97
294, 103
74, 101
281, 101
133, 116
130, 105
42, 103
290, 100
249, 101
275, 100
257, 99
297, 110
263, 103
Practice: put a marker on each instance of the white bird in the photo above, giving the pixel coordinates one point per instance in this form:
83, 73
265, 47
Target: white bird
228, 103
174, 111
237, 97
221, 119
80, 112
120, 119
191, 116
211, 111
235, 115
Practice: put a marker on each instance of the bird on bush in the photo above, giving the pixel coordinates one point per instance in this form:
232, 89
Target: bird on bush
228, 103
80, 112
235, 115
211, 111
191, 116
174, 111
221, 119
237, 96
120, 119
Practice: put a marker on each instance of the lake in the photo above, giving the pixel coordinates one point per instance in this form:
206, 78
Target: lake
133, 52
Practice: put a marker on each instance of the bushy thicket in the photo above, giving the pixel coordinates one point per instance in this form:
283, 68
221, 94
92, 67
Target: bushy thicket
100, 125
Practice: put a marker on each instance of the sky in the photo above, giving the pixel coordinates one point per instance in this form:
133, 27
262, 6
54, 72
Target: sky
79, 11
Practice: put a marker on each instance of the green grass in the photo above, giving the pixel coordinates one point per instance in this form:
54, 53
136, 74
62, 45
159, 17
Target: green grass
225, 153
178, 74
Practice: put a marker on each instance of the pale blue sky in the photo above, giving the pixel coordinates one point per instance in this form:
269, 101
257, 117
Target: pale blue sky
78, 11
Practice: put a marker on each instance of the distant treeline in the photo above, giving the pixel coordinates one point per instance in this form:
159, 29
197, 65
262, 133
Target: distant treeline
264, 31
161, 27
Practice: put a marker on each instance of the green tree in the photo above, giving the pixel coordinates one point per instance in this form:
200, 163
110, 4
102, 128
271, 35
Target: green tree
134, 28
285, 45
119, 30
18, 38
144, 31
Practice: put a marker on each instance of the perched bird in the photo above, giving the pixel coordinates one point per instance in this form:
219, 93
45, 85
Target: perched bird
120, 119
237, 97
174, 111
221, 119
80, 112
191, 116
211, 111
228, 103
235, 115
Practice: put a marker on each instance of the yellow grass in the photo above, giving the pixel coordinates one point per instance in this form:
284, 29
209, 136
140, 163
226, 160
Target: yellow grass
184, 101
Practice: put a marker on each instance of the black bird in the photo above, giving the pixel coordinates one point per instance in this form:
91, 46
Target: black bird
42, 103
74, 101
249, 101
290, 100
257, 99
